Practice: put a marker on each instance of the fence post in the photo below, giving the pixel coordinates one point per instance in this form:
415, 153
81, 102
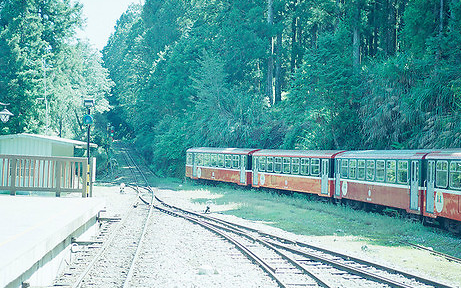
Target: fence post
13, 176
85, 177
58, 174
92, 175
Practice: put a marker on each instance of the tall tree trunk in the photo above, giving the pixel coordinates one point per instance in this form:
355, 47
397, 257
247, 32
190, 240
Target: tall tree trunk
270, 61
439, 49
356, 39
294, 44
278, 69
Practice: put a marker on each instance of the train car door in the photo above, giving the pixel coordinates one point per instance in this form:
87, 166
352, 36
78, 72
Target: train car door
430, 187
414, 185
194, 164
338, 178
243, 161
255, 171
325, 172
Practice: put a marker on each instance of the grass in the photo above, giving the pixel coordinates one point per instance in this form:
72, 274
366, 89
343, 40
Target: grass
307, 215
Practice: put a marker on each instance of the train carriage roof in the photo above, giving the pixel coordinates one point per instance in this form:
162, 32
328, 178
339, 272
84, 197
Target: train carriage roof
240, 151
386, 154
445, 154
298, 153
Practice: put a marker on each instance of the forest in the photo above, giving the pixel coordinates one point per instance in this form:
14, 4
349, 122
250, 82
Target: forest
282, 74
46, 71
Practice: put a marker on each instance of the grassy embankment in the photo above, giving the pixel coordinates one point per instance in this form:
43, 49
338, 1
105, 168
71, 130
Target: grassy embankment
306, 215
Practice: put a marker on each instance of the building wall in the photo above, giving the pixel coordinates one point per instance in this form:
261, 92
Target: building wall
35, 147
62, 150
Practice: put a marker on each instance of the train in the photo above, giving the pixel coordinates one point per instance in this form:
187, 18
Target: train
426, 184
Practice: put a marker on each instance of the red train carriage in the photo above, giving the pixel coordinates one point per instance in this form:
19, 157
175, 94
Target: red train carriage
220, 164
295, 170
385, 178
443, 189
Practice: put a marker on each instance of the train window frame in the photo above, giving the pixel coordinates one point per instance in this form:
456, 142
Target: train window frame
278, 164
361, 171
228, 161
439, 172
214, 160
455, 170
295, 166
304, 166
344, 170
314, 167
286, 165
391, 172
206, 160
221, 160
188, 158
370, 170
199, 159
262, 164
270, 164
402, 171
245, 161
353, 169
380, 170
235, 161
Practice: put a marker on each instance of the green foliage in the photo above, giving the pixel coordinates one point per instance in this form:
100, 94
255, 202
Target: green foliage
356, 74
40, 58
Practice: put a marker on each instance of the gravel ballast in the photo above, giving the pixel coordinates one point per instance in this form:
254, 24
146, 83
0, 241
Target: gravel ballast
177, 253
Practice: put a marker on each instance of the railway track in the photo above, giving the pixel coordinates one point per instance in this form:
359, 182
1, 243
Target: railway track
296, 264
109, 260
114, 259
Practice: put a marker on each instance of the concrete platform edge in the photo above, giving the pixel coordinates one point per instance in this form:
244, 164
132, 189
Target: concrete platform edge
25, 265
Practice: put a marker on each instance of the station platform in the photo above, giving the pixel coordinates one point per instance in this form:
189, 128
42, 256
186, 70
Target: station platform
33, 230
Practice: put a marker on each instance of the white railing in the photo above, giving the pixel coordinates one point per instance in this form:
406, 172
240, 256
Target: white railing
44, 174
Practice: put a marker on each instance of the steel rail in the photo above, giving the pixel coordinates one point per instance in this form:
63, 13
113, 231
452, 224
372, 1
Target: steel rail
250, 254
273, 245
436, 253
337, 254
144, 231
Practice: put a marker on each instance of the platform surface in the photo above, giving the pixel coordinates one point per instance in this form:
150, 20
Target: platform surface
30, 227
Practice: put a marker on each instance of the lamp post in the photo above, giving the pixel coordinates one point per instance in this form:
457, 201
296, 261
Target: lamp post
5, 114
88, 120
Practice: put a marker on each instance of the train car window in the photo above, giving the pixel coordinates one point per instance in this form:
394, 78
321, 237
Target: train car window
189, 159
206, 160
286, 165
391, 171
315, 167
455, 175
214, 160
361, 169
199, 159
228, 161
221, 160
370, 170
380, 170
262, 164
270, 164
295, 166
278, 165
352, 169
236, 161
304, 166
245, 161
344, 168
402, 172
441, 176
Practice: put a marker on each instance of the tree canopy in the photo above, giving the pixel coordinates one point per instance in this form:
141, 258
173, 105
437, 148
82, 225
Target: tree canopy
45, 72
293, 74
